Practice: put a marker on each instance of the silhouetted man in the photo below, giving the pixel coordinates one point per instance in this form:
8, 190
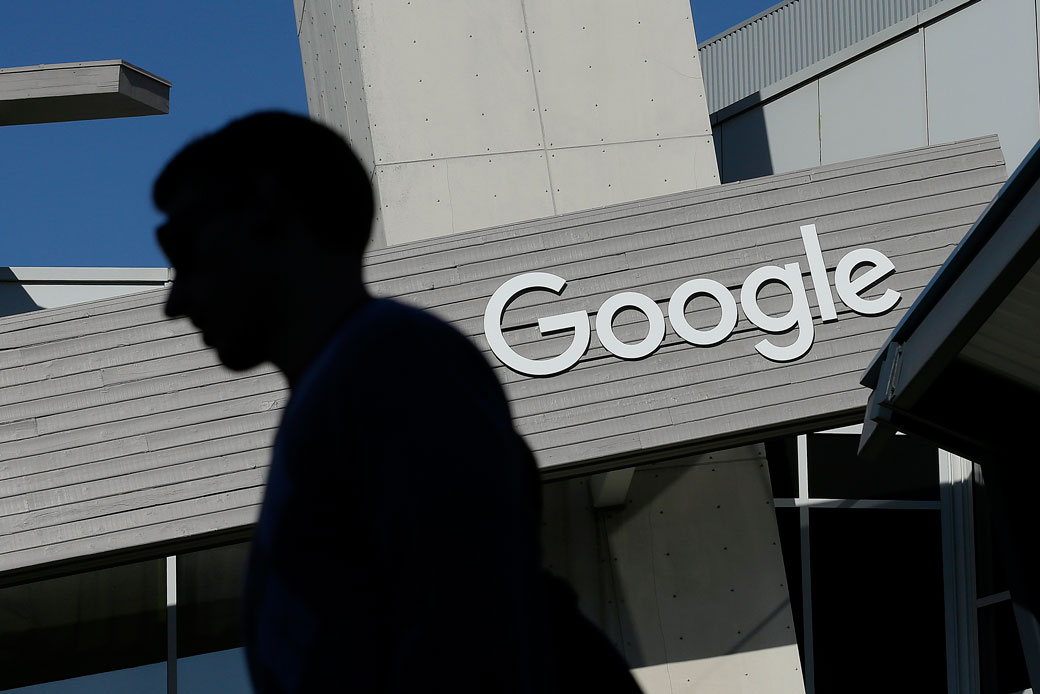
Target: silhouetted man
397, 548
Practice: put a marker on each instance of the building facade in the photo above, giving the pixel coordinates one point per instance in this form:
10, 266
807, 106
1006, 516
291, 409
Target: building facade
696, 421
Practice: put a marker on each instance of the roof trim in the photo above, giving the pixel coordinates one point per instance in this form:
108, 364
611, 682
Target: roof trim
1021, 184
85, 274
747, 22
837, 60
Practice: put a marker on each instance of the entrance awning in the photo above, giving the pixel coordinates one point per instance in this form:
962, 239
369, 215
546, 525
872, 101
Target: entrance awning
962, 368
963, 365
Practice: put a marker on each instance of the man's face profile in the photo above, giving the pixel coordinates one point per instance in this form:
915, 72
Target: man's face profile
221, 272
259, 234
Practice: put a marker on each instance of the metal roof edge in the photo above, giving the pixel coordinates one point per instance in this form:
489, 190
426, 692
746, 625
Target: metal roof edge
747, 22
92, 275
836, 61
1007, 198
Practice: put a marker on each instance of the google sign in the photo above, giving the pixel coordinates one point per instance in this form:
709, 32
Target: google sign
849, 289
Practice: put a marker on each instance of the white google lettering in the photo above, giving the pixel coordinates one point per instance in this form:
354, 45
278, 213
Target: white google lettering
790, 276
577, 321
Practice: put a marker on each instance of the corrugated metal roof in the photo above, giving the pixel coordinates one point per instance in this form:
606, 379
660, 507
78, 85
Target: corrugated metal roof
789, 37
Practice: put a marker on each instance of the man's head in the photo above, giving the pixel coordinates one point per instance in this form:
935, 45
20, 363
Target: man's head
260, 214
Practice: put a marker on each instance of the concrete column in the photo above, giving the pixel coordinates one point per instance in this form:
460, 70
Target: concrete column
471, 114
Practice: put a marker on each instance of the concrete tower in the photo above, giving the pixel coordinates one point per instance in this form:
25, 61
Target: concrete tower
471, 114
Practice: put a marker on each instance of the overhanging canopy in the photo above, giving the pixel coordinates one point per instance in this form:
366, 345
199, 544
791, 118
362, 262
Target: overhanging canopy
80, 91
963, 365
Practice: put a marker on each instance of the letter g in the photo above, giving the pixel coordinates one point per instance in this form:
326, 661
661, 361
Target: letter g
578, 321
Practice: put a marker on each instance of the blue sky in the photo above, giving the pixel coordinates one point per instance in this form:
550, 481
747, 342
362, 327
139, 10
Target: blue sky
77, 194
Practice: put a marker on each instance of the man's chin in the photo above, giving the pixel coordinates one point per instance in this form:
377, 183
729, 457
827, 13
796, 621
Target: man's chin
238, 360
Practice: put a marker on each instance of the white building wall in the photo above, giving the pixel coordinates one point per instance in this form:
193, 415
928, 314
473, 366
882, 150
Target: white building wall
982, 75
958, 70
24, 289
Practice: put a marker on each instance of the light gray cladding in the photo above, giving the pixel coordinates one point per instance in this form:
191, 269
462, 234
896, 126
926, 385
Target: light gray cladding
118, 430
789, 37
960, 69
913, 207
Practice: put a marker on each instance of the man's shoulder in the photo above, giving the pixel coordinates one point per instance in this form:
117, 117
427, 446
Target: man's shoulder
388, 341
392, 329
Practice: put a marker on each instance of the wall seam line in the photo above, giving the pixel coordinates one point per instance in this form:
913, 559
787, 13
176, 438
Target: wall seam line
924, 60
554, 149
538, 105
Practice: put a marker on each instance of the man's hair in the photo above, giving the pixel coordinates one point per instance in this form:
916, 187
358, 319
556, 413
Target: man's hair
307, 168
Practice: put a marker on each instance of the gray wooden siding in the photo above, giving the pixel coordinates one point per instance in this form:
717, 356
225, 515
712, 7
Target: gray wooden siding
119, 430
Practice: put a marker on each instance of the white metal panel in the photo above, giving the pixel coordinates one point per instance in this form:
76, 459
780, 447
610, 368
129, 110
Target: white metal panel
31, 288
586, 177
102, 275
449, 80
496, 189
776, 137
628, 71
53, 295
789, 37
875, 105
982, 76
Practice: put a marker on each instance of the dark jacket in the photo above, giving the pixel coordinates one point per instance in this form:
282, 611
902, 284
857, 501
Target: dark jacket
397, 549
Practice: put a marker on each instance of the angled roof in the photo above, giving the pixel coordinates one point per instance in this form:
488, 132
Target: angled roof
975, 323
121, 435
788, 38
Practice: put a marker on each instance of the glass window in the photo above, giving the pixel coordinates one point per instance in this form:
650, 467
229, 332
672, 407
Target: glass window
1002, 667
782, 456
877, 600
909, 470
989, 567
102, 621
209, 593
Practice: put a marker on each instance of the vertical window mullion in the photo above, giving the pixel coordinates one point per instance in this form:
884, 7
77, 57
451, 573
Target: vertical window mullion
955, 476
803, 515
171, 625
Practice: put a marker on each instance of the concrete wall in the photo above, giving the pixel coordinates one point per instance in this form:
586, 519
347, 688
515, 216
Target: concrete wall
959, 69
685, 576
471, 114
